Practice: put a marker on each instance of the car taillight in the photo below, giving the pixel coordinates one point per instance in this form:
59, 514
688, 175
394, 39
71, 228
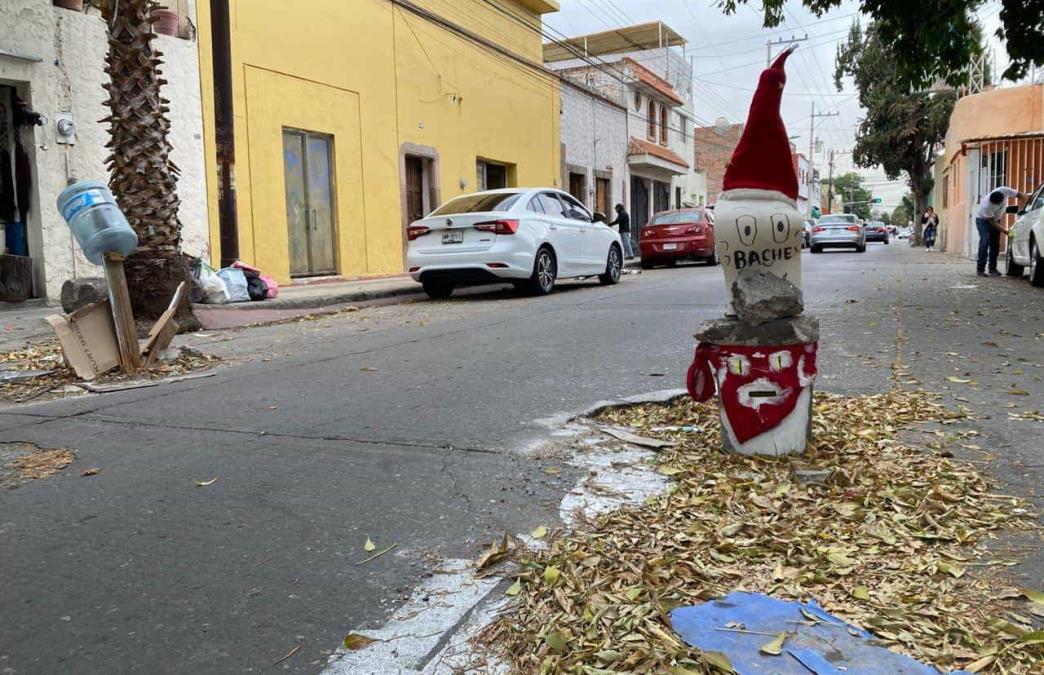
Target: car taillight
695, 229
414, 231
498, 226
817, 228
646, 234
853, 228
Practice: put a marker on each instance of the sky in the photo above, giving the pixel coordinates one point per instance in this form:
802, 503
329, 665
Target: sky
728, 54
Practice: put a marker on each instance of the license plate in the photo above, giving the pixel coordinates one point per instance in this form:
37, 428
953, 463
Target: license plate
453, 237
670, 247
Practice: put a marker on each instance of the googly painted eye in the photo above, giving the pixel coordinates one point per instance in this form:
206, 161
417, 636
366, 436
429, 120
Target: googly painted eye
780, 227
747, 229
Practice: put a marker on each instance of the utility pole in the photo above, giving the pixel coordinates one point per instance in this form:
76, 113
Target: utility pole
830, 185
768, 46
812, 143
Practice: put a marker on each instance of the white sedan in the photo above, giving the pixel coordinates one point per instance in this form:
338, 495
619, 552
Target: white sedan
1026, 241
525, 236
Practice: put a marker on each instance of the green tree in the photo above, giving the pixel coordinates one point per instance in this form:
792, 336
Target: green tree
885, 217
855, 197
935, 39
901, 131
141, 175
903, 214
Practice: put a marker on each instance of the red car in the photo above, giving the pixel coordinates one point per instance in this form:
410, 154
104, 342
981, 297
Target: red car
681, 234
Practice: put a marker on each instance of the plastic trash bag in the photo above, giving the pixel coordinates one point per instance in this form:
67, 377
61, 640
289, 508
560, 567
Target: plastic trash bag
213, 288
270, 283
236, 283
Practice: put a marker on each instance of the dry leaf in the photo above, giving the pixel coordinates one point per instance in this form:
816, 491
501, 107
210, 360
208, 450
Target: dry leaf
90, 472
539, 533
774, 648
551, 575
514, 588
369, 545
718, 660
354, 641
979, 665
494, 554
204, 483
861, 592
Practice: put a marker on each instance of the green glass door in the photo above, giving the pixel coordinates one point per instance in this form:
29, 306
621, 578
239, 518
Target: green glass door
310, 219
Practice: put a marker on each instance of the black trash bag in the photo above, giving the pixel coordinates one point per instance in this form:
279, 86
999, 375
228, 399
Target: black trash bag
196, 293
257, 289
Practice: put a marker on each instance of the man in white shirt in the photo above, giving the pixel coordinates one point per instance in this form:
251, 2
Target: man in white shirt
988, 220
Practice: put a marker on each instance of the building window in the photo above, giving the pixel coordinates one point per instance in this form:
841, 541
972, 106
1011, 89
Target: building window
683, 128
578, 186
637, 101
946, 191
490, 175
652, 120
663, 125
992, 173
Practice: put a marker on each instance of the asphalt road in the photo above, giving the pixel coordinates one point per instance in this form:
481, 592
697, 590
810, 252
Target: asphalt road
415, 425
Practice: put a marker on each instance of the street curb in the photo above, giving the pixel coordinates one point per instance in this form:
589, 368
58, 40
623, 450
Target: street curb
317, 302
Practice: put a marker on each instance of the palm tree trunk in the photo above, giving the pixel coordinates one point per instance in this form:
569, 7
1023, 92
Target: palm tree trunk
141, 175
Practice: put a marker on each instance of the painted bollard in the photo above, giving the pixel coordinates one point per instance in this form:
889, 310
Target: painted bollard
761, 358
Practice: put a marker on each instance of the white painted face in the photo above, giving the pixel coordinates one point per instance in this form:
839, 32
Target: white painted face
758, 229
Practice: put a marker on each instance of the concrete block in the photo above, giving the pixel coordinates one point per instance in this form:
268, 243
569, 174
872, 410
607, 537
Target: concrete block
77, 293
759, 297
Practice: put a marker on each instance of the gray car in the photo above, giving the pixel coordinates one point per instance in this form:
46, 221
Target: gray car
842, 230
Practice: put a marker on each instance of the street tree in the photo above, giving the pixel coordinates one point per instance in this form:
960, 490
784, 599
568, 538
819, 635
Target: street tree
885, 217
904, 213
902, 131
854, 196
142, 176
934, 39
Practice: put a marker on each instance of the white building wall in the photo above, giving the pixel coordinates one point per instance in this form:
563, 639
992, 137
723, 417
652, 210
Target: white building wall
594, 133
67, 81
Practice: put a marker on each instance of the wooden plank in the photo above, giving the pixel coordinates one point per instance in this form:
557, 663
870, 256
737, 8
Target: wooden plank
164, 330
122, 316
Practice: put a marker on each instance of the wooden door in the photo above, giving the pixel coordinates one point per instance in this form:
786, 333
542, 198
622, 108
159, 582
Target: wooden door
414, 188
310, 210
576, 187
639, 204
602, 196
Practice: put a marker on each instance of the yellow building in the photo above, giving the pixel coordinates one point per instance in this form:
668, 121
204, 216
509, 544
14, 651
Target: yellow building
331, 124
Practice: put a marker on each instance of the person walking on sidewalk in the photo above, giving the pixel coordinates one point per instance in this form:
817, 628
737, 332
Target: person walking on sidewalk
931, 226
988, 223
623, 222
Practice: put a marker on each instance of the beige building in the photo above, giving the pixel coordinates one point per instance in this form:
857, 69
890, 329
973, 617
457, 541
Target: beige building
995, 138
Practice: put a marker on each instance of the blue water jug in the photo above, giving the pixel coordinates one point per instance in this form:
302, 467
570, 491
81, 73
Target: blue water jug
97, 223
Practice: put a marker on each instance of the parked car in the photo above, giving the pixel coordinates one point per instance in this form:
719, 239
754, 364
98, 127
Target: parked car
905, 233
679, 234
876, 231
842, 230
1026, 241
529, 237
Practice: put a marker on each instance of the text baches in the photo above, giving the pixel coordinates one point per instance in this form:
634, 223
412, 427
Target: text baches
765, 257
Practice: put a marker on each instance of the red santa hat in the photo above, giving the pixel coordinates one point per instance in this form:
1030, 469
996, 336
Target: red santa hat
762, 159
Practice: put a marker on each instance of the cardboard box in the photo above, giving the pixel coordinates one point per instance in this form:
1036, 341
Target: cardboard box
88, 339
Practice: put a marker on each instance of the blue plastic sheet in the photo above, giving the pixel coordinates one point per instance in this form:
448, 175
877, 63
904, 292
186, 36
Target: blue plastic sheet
830, 647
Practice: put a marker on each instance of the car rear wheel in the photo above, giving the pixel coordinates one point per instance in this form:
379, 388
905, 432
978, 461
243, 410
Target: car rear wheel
672, 262
712, 259
1036, 266
886, 241
438, 289
817, 249
1012, 268
544, 273
613, 265
861, 249
647, 264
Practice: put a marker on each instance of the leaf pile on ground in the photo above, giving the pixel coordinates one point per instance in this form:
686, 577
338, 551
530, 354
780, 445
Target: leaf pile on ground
47, 356
887, 542
20, 462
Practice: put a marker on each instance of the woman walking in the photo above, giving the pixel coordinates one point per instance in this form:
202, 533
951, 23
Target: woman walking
931, 226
